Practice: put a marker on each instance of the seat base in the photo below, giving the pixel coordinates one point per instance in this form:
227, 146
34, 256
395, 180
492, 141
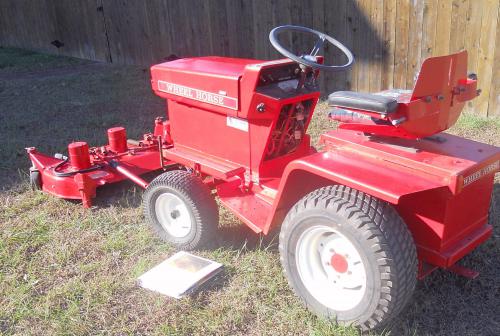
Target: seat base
382, 104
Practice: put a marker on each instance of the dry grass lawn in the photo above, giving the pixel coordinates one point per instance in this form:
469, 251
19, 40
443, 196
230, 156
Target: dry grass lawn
67, 270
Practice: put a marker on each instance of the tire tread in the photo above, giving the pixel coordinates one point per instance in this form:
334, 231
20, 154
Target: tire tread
199, 199
390, 240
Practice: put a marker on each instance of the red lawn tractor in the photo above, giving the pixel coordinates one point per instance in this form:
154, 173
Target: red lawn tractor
388, 198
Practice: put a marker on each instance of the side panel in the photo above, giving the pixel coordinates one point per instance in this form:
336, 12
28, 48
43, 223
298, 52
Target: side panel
444, 226
210, 133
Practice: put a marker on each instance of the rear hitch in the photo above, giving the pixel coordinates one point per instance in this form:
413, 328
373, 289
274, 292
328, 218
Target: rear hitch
424, 269
464, 271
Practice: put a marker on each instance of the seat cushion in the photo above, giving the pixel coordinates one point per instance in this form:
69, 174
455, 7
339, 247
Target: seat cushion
363, 101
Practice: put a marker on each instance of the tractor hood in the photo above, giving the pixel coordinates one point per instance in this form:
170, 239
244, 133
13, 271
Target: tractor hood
210, 83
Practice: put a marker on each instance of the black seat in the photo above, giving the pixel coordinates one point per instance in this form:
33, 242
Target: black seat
363, 101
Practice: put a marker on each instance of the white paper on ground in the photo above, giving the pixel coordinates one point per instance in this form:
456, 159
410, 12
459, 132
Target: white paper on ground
179, 275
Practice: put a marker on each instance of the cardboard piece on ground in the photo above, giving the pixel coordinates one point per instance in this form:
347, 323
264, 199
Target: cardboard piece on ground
179, 275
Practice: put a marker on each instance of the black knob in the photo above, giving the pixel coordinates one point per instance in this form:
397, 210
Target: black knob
261, 108
472, 76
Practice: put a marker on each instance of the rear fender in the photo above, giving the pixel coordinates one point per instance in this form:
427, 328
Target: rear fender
375, 177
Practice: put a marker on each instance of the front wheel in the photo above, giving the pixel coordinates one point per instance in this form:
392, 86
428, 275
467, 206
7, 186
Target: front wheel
181, 209
348, 256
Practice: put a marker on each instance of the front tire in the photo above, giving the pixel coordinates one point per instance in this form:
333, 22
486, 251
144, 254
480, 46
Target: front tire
181, 209
348, 256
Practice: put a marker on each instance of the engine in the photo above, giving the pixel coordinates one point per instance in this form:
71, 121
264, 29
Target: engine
289, 130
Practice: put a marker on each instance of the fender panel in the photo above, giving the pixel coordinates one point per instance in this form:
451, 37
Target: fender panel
370, 174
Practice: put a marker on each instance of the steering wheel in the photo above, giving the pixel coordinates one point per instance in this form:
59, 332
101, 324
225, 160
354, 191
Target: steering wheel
310, 60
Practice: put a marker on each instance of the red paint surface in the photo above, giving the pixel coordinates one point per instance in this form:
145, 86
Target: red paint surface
117, 137
79, 155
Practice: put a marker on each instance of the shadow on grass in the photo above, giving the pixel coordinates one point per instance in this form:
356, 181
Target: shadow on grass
61, 100
124, 193
241, 237
231, 234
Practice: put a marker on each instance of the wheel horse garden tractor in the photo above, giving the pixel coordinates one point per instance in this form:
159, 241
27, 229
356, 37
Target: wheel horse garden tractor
387, 200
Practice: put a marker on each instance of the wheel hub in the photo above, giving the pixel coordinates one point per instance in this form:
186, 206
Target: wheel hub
173, 215
339, 263
331, 268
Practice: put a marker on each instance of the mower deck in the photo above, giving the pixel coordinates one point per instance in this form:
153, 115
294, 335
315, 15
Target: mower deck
78, 176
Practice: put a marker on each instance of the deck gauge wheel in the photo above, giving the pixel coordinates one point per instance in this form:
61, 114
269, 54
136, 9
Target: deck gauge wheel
348, 256
181, 209
35, 179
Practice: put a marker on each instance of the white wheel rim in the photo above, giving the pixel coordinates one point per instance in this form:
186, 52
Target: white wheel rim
173, 215
331, 268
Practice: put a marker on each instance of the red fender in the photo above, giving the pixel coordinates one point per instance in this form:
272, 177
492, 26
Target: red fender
385, 180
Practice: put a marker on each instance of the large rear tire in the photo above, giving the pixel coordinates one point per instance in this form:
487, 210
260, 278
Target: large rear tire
349, 256
181, 209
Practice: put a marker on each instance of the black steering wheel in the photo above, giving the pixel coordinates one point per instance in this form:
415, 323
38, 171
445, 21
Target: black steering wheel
310, 60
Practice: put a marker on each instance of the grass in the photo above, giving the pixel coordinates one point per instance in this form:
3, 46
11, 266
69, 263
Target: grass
68, 270
20, 60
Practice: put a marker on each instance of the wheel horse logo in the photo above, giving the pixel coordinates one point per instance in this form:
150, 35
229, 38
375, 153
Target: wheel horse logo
200, 95
480, 173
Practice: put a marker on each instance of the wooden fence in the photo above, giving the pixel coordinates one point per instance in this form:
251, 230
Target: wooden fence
390, 38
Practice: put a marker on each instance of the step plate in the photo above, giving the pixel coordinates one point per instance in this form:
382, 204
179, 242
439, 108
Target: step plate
252, 210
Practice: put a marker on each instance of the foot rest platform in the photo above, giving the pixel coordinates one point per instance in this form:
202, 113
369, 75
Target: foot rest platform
218, 168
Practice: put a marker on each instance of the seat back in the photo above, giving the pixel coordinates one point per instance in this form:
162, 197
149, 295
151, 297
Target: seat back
436, 84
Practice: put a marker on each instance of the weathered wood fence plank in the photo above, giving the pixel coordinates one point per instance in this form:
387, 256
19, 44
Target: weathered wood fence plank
494, 103
486, 53
390, 38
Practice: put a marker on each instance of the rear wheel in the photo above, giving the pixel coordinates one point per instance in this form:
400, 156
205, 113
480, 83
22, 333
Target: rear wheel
348, 256
181, 209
